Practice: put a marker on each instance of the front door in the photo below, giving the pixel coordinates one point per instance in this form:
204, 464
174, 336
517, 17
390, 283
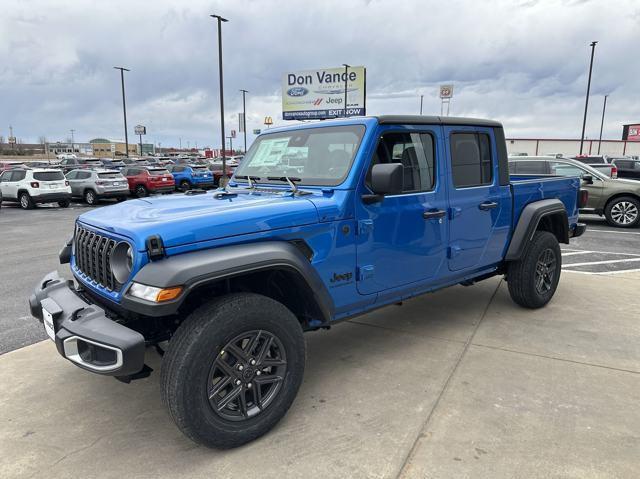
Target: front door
403, 238
479, 208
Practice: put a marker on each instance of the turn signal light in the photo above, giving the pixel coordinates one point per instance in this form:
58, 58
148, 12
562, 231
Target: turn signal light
168, 294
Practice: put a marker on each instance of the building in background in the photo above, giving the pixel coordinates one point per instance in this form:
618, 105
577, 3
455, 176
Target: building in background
59, 147
631, 132
107, 148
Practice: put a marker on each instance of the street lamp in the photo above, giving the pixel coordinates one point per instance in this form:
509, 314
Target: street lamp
244, 118
124, 110
586, 101
604, 108
346, 74
421, 98
224, 156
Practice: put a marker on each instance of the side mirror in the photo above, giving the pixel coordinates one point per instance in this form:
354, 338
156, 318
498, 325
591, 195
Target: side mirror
588, 179
386, 179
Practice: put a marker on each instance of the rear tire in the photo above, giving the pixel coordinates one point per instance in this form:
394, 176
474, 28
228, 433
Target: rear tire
185, 185
206, 343
141, 191
623, 212
64, 203
534, 278
26, 203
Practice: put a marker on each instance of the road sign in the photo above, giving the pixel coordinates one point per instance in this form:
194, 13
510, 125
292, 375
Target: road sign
140, 130
446, 91
256, 131
233, 133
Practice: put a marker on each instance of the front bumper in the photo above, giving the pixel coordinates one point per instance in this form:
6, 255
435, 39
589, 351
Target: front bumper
51, 197
82, 331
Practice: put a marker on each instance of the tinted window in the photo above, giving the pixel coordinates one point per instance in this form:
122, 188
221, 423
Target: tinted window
18, 175
531, 167
6, 176
470, 159
624, 164
133, 172
564, 169
83, 175
48, 175
72, 175
416, 153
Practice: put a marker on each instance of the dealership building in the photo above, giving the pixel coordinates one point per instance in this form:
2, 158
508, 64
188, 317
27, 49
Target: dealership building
107, 148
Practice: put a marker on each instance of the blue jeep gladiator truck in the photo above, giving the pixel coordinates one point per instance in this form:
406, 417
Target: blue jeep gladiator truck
373, 211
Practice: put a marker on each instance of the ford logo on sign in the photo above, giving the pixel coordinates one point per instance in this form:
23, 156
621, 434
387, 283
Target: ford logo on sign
297, 91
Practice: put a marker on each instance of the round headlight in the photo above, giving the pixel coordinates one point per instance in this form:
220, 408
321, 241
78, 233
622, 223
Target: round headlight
122, 262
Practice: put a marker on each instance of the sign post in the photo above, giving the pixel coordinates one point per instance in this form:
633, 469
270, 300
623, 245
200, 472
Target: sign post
322, 93
446, 93
140, 130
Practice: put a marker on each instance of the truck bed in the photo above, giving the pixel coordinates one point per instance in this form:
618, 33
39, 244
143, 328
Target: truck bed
528, 188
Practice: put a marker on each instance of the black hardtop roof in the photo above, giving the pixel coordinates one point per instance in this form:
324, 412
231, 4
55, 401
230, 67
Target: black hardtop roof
440, 120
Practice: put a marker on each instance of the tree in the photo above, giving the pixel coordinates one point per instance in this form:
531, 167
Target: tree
42, 139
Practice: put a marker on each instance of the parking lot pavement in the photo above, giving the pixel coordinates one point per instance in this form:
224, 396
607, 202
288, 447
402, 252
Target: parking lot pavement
460, 383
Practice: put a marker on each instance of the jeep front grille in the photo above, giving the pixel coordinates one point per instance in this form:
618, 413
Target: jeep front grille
93, 256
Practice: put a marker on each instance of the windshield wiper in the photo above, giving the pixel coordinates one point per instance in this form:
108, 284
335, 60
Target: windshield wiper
290, 180
249, 178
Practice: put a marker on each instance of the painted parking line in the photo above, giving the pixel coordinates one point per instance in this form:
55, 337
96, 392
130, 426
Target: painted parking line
609, 261
602, 273
614, 231
571, 253
577, 251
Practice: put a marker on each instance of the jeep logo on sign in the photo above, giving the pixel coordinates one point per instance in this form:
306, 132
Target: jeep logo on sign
297, 91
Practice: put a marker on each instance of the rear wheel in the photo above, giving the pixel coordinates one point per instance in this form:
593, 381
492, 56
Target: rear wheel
185, 185
232, 369
64, 203
141, 191
623, 212
26, 203
90, 197
534, 278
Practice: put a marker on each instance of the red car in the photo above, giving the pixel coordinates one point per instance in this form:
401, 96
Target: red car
148, 179
216, 169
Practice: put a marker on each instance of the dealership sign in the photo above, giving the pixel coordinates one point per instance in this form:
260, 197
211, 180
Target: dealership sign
318, 94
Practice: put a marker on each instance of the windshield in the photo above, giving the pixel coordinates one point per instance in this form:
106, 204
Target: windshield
317, 156
55, 175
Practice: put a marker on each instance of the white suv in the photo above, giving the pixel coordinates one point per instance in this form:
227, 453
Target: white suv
30, 187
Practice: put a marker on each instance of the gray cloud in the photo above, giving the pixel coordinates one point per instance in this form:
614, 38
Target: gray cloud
523, 63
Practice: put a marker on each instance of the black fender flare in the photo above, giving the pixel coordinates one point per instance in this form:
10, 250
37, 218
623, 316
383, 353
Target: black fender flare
528, 223
198, 268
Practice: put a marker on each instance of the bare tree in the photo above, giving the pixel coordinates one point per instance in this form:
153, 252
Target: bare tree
42, 139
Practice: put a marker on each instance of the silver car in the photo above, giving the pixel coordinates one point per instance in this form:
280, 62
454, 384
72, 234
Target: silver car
93, 185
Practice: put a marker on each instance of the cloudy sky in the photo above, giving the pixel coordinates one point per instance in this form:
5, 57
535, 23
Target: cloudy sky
523, 62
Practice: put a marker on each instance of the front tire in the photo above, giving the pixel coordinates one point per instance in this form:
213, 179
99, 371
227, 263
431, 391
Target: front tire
232, 369
533, 279
623, 212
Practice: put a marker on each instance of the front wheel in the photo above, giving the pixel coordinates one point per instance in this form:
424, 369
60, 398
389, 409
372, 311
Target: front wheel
533, 279
623, 212
232, 369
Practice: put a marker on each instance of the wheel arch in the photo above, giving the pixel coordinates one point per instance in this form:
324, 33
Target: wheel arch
280, 270
616, 196
544, 215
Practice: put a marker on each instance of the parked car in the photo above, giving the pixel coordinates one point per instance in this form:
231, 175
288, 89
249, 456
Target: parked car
8, 165
94, 185
216, 169
110, 164
33, 186
191, 176
600, 163
381, 212
618, 200
232, 161
135, 162
627, 168
69, 164
147, 179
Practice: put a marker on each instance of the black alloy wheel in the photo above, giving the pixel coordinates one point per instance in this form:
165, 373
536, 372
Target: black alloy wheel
247, 375
545, 271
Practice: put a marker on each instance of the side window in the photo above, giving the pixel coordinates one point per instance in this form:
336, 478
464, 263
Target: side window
565, 169
532, 167
6, 176
18, 175
623, 164
83, 175
178, 169
72, 175
416, 152
471, 159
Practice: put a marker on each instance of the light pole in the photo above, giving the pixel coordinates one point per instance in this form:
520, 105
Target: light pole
72, 140
230, 145
586, 101
124, 110
421, 98
604, 108
224, 156
346, 74
244, 119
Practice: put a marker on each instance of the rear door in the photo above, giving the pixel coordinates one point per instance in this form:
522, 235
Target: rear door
479, 207
5, 185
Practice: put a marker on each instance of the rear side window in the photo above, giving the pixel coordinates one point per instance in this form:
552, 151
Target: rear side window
565, 169
531, 167
18, 175
48, 175
471, 159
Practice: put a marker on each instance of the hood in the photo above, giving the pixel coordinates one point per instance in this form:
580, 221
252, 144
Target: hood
182, 219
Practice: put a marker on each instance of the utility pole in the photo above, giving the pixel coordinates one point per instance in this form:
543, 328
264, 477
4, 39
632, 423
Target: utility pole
586, 101
230, 144
346, 74
421, 98
244, 119
72, 140
124, 110
604, 108
222, 135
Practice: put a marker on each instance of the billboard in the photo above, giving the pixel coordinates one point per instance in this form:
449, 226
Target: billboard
631, 132
319, 94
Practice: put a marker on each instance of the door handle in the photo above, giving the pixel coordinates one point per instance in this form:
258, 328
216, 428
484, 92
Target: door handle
433, 214
488, 205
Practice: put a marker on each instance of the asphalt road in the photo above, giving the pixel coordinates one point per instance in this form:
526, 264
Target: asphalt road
30, 242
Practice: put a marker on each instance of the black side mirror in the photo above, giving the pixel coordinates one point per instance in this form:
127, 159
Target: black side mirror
588, 179
386, 179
